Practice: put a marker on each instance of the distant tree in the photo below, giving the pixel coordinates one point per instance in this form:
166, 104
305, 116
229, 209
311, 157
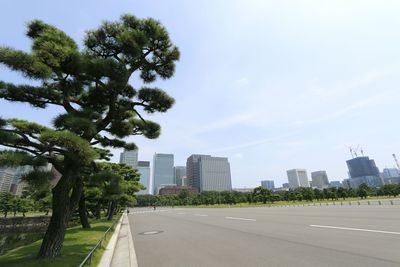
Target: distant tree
389, 190
6, 203
113, 185
362, 190
25, 205
342, 193
262, 194
15, 205
307, 193
332, 193
38, 186
351, 192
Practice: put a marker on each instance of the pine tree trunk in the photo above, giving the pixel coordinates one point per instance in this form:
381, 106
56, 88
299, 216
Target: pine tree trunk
63, 206
97, 212
54, 237
111, 211
83, 213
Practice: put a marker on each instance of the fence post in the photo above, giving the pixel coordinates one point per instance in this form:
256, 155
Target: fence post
369, 203
341, 203
358, 202
380, 203
391, 202
349, 203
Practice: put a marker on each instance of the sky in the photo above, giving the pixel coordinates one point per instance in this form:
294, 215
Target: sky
272, 85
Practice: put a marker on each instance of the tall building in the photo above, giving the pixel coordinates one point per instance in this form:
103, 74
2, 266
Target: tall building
297, 178
6, 179
336, 184
362, 166
319, 179
163, 170
144, 170
390, 173
180, 175
206, 173
269, 184
363, 170
129, 157
193, 170
11, 177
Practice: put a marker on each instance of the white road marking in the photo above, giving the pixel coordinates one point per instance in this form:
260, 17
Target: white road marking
150, 233
149, 211
203, 215
242, 219
355, 229
181, 213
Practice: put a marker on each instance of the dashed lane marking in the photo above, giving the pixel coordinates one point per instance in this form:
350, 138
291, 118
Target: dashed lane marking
355, 229
241, 219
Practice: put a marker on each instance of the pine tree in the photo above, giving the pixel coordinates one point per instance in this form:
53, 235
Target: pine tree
92, 87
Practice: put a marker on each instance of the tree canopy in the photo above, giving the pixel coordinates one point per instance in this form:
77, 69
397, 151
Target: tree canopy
100, 107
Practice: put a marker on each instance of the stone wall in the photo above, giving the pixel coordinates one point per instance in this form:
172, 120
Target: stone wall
21, 224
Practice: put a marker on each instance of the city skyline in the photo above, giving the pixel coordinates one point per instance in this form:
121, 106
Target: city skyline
299, 97
279, 182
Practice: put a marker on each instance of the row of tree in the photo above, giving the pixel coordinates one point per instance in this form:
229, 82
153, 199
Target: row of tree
263, 195
107, 191
9, 203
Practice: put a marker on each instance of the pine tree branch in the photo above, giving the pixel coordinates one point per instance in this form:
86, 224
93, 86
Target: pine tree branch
22, 148
140, 116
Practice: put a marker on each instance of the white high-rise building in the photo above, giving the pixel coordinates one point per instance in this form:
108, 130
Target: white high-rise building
129, 157
163, 170
319, 179
6, 178
144, 170
297, 178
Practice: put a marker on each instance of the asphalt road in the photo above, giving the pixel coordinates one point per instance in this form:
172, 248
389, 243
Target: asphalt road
279, 236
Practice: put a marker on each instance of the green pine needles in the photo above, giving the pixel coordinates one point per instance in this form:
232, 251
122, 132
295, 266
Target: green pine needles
91, 86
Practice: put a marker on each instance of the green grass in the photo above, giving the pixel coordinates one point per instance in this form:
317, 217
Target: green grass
285, 203
78, 243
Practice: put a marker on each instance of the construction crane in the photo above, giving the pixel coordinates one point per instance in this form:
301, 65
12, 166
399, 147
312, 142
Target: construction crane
395, 160
351, 151
354, 151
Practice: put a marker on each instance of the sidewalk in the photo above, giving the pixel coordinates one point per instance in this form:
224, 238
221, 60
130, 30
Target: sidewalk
120, 251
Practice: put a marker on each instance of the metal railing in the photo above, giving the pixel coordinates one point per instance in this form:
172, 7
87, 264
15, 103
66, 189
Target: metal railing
376, 202
88, 258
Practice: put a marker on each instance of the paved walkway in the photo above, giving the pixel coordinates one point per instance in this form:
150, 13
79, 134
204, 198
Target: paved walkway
124, 253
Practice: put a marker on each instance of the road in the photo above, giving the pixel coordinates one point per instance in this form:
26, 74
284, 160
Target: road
279, 236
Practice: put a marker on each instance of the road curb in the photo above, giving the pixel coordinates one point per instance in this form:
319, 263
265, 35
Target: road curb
123, 254
105, 260
132, 252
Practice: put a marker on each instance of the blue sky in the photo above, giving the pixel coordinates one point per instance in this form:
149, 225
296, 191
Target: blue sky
273, 85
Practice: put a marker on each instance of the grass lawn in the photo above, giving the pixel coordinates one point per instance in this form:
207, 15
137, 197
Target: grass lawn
284, 203
78, 242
